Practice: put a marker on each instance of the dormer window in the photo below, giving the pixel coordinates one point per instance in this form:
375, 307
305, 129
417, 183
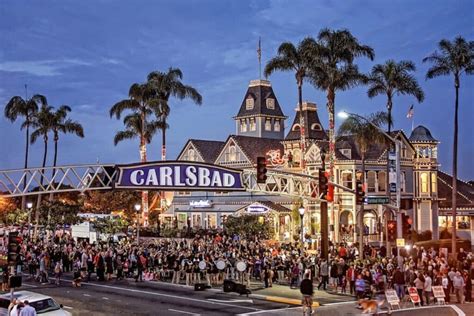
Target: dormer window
191, 155
270, 103
296, 127
268, 125
277, 125
346, 153
249, 103
316, 127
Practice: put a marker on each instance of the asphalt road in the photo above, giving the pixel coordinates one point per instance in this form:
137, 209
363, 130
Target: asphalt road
145, 298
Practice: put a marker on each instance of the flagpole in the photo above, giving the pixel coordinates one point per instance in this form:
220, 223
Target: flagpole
259, 53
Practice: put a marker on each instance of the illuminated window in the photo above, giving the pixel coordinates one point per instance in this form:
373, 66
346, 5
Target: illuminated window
191, 155
243, 125
270, 103
433, 182
232, 153
253, 126
249, 103
277, 125
424, 182
371, 176
382, 181
268, 125
346, 179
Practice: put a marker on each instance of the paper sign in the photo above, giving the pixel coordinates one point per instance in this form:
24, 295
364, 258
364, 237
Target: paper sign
392, 296
415, 298
438, 291
400, 242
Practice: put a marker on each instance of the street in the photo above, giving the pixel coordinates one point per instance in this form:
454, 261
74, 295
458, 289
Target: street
146, 298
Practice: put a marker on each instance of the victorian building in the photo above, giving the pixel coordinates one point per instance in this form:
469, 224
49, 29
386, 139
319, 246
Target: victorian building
260, 126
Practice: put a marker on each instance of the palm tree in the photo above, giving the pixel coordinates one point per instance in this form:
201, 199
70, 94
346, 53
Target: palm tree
142, 102
297, 60
391, 79
365, 135
61, 124
43, 122
165, 85
16, 107
454, 58
333, 69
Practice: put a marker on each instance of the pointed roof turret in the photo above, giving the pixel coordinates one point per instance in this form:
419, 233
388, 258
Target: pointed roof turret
313, 127
260, 100
422, 135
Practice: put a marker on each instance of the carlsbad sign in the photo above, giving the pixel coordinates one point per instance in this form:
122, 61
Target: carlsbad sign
178, 176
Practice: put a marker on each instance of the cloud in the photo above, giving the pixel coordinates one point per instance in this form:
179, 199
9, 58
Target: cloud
111, 61
44, 68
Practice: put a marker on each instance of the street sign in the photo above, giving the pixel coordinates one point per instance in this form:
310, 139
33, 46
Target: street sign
438, 291
414, 297
400, 242
392, 296
376, 200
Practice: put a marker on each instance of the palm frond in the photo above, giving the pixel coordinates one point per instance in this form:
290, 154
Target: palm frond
124, 135
127, 104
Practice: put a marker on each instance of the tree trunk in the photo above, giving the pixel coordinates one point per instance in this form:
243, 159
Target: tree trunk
163, 142
302, 125
38, 201
331, 97
23, 198
143, 158
455, 165
51, 196
387, 182
361, 213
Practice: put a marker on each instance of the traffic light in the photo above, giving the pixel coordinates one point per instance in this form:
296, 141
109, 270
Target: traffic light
392, 230
360, 194
14, 242
323, 184
406, 226
261, 170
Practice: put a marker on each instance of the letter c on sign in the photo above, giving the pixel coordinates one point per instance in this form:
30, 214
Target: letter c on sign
134, 177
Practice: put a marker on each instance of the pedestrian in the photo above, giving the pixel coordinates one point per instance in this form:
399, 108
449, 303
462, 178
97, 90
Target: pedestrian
360, 287
28, 310
458, 284
398, 280
420, 285
58, 269
306, 289
428, 288
324, 272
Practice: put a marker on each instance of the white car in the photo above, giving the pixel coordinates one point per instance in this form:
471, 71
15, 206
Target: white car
43, 304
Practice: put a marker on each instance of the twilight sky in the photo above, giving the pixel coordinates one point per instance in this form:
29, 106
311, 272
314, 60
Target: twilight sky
87, 54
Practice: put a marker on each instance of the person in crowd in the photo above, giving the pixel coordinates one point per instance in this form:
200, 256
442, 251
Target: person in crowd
307, 290
458, 284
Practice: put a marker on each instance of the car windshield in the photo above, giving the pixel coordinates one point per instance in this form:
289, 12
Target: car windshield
45, 305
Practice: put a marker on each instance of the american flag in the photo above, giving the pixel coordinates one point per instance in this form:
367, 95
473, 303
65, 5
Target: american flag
259, 49
411, 112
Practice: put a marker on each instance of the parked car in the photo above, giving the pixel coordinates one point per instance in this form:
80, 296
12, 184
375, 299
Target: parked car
43, 304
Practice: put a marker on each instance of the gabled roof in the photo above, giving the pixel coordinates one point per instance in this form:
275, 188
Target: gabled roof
208, 149
465, 192
254, 147
260, 91
422, 134
311, 120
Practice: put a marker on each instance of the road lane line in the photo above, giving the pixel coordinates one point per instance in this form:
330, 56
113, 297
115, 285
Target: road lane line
230, 301
270, 310
85, 294
183, 312
169, 295
67, 307
105, 298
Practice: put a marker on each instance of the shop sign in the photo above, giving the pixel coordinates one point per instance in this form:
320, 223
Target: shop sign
392, 175
178, 176
257, 209
200, 203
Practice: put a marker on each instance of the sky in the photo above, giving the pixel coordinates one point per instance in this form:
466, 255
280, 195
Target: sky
86, 54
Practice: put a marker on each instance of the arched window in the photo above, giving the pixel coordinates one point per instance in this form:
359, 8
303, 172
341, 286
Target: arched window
433, 182
424, 182
316, 127
382, 181
296, 157
371, 175
191, 155
296, 127
232, 153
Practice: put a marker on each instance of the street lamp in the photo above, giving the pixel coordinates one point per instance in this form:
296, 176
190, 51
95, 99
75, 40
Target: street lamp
398, 145
29, 206
137, 208
301, 211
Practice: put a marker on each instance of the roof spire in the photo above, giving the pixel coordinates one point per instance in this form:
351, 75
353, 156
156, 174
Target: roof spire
259, 54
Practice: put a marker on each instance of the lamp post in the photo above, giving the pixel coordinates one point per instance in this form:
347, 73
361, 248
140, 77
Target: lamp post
398, 146
29, 206
301, 211
138, 208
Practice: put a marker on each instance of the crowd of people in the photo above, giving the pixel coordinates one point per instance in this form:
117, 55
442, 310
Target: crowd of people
212, 257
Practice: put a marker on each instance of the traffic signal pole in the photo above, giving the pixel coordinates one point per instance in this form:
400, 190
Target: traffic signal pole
323, 208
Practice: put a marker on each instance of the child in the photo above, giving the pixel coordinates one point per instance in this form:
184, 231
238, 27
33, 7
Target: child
76, 282
58, 271
343, 285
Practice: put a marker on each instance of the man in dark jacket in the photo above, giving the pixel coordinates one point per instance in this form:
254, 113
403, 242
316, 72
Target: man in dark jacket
306, 289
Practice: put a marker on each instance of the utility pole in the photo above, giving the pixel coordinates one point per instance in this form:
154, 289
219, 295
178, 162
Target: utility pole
323, 207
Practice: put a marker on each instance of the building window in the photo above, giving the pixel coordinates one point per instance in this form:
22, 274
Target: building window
346, 153
270, 103
316, 127
243, 125
404, 151
221, 193
371, 175
183, 193
253, 126
268, 125
346, 179
402, 182
382, 179
191, 155
296, 127
296, 157
277, 125
249, 103
433, 182
232, 153
424, 182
